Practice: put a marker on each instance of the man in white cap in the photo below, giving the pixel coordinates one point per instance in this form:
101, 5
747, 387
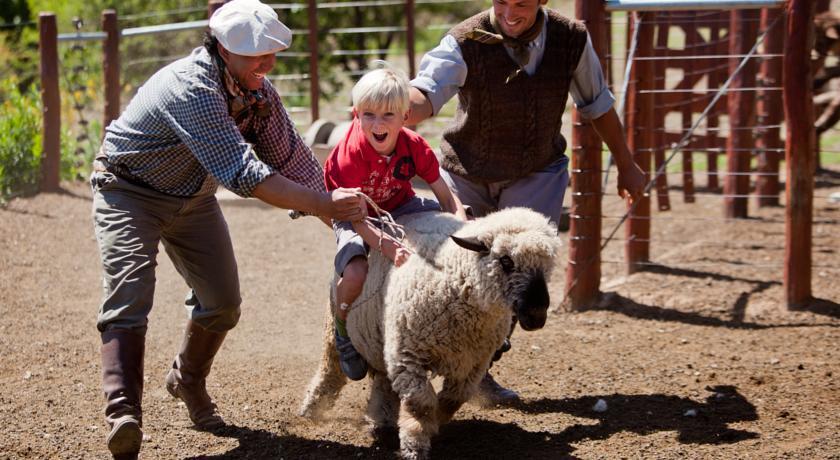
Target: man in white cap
209, 118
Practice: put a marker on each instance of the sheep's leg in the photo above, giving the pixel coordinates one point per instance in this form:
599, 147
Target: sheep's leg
383, 407
455, 393
327, 381
418, 405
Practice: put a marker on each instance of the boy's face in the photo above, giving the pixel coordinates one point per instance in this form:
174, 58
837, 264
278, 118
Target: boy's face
249, 71
381, 128
516, 16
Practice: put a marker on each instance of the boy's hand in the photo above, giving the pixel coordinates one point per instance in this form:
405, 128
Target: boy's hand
631, 182
401, 256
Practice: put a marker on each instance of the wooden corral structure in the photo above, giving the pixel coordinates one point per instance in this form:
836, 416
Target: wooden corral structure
720, 57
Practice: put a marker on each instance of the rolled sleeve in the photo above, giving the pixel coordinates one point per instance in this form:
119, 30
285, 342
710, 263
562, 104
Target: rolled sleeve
280, 145
442, 73
589, 88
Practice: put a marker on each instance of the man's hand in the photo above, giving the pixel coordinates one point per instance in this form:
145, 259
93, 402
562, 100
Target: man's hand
346, 204
631, 181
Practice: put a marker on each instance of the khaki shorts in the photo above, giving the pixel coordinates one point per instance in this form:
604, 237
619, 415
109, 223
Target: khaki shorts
350, 243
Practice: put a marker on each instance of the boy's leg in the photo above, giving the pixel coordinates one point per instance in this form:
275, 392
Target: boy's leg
351, 264
199, 245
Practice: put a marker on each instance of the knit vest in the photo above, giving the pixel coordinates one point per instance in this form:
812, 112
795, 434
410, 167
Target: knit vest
505, 131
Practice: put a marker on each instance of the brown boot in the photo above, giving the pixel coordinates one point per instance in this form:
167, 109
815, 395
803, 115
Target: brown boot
186, 380
491, 394
122, 381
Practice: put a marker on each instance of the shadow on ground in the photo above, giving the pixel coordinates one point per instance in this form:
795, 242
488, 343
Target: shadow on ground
614, 302
694, 422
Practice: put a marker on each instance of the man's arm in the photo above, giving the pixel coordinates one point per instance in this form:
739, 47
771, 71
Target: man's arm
421, 107
631, 178
341, 204
442, 73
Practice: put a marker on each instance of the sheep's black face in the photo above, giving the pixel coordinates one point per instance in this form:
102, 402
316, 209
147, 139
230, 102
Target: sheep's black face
525, 287
532, 301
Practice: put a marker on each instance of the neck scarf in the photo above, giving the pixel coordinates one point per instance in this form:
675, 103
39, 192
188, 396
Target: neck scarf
519, 45
241, 102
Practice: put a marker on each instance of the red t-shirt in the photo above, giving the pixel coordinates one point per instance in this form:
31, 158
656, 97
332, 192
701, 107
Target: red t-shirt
354, 163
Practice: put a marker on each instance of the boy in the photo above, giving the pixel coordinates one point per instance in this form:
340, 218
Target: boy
379, 156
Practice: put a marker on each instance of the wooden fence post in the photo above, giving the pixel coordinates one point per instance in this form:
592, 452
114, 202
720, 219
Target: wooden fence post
660, 103
111, 68
583, 275
799, 148
640, 139
743, 31
822, 6
770, 140
51, 102
409, 36
314, 85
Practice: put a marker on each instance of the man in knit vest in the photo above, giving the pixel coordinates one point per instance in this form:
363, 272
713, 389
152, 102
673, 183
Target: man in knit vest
513, 68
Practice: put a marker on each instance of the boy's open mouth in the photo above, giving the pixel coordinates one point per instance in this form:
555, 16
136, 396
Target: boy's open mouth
380, 137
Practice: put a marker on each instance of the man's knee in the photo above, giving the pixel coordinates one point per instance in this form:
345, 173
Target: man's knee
218, 315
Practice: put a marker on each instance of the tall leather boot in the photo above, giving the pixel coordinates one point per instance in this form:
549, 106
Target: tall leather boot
122, 381
187, 378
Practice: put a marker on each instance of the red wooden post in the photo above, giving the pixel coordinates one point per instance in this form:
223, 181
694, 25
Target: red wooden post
661, 104
51, 101
799, 148
822, 6
714, 82
583, 275
743, 29
769, 141
640, 140
213, 5
691, 43
314, 84
409, 35
111, 68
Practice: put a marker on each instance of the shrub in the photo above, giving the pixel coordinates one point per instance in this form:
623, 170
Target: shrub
20, 139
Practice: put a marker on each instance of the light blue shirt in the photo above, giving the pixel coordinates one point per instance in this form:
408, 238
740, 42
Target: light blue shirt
443, 72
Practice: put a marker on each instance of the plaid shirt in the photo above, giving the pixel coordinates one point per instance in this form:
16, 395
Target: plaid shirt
177, 137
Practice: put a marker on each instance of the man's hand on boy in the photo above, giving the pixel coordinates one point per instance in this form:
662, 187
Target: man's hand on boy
347, 204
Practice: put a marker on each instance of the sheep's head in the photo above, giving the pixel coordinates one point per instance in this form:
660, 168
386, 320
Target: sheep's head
516, 249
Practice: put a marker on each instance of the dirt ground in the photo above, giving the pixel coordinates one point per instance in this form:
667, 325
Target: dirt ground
695, 358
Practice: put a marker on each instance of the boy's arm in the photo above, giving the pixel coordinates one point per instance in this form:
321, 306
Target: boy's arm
448, 201
391, 248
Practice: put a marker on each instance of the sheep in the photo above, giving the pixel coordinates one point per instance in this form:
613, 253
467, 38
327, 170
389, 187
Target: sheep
442, 313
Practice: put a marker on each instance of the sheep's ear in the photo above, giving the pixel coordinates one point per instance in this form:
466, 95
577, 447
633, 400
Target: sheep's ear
472, 244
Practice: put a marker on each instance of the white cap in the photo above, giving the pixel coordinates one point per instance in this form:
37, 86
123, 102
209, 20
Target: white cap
249, 28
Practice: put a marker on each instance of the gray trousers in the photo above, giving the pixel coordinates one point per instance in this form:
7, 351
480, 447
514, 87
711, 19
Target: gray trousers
130, 221
541, 191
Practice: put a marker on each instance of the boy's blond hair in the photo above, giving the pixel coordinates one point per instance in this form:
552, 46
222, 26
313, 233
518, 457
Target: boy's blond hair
382, 89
